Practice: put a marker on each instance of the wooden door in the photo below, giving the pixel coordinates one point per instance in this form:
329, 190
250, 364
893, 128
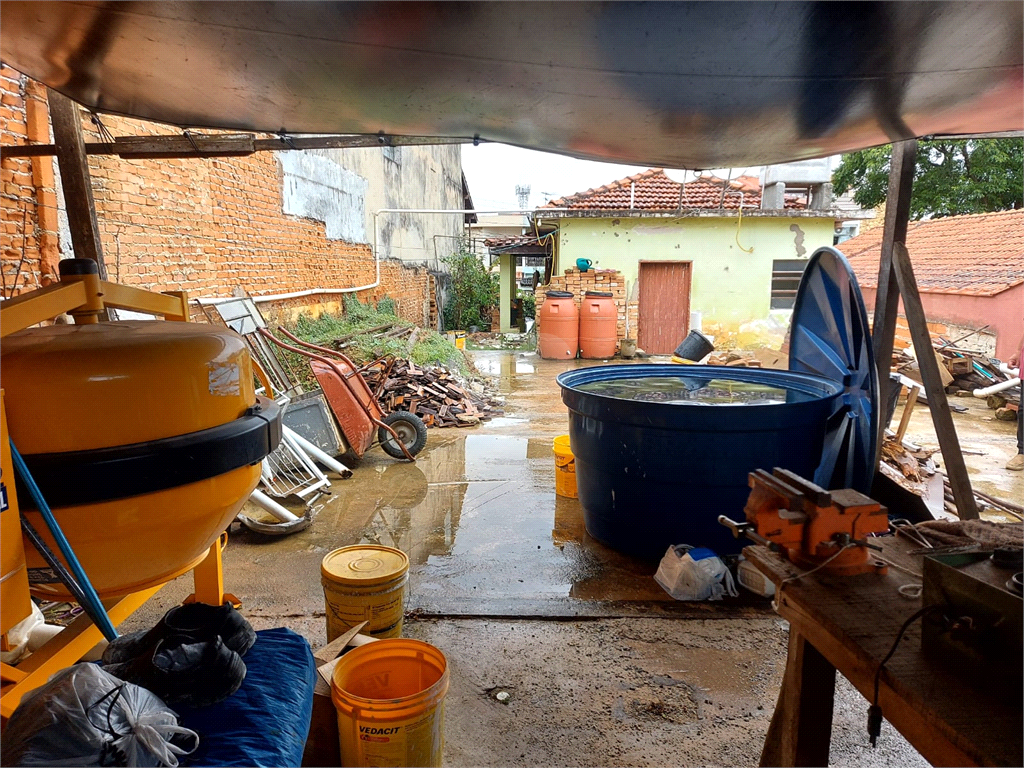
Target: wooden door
664, 306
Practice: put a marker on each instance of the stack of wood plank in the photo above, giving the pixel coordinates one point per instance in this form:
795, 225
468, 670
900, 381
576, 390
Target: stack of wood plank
434, 394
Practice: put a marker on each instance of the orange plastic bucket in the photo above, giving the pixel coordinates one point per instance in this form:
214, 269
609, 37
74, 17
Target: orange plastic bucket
390, 701
565, 468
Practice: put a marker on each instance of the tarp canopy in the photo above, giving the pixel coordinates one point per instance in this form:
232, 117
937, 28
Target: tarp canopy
684, 85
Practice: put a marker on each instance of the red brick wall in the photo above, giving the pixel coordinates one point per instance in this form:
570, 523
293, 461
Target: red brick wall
28, 214
205, 226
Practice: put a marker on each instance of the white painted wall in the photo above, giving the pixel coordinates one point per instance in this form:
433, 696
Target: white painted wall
408, 177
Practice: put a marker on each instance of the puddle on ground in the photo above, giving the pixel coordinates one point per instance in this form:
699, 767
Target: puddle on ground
503, 364
479, 519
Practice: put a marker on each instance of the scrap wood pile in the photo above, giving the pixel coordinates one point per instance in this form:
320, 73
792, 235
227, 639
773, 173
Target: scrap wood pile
913, 468
962, 372
433, 393
908, 468
763, 357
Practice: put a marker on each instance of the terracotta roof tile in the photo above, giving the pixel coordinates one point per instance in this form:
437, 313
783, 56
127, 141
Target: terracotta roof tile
652, 190
513, 241
979, 255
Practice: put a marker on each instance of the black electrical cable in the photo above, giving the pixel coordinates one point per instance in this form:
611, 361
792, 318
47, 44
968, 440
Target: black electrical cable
875, 711
51, 559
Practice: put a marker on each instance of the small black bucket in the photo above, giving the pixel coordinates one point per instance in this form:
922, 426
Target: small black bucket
694, 347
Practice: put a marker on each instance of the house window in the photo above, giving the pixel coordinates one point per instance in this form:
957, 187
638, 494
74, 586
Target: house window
786, 274
394, 154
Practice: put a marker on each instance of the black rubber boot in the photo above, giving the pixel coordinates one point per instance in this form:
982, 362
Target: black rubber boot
182, 669
195, 620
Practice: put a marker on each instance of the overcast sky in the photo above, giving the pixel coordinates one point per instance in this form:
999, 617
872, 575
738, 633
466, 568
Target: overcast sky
494, 170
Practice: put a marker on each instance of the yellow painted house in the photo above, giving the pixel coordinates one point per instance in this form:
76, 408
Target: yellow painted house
707, 246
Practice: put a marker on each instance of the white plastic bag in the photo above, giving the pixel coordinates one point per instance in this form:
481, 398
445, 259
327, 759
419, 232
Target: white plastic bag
85, 716
694, 574
19, 635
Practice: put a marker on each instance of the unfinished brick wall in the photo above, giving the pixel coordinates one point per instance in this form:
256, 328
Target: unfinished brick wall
412, 289
608, 280
206, 226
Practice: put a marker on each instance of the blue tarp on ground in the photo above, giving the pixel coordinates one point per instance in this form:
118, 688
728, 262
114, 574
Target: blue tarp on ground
265, 723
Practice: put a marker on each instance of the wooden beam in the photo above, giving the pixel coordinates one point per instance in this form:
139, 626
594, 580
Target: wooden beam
800, 733
225, 145
942, 417
74, 178
887, 297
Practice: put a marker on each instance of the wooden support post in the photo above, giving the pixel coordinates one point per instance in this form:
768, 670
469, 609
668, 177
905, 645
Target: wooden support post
908, 411
887, 297
74, 178
800, 733
942, 417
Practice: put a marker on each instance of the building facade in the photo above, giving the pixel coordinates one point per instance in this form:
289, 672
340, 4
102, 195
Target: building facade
298, 230
705, 247
969, 270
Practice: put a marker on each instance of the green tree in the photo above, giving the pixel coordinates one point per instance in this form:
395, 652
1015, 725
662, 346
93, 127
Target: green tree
474, 290
951, 178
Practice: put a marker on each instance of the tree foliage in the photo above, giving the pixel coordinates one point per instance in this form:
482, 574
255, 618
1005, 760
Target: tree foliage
474, 291
951, 178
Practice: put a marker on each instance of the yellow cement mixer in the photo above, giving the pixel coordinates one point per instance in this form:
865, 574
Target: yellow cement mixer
144, 438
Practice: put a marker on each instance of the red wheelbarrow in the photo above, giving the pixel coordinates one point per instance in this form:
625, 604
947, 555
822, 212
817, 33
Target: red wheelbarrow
359, 415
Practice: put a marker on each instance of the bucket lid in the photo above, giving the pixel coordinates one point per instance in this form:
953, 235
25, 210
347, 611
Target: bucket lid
366, 564
558, 294
830, 337
605, 294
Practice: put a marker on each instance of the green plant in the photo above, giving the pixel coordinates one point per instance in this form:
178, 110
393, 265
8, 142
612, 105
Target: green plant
474, 290
951, 177
529, 303
430, 348
387, 306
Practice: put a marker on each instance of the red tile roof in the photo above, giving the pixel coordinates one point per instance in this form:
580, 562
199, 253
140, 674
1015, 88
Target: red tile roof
514, 241
979, 255
652, 190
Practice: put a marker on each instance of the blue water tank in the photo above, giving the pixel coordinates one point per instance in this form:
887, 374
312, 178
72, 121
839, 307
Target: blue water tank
654, 474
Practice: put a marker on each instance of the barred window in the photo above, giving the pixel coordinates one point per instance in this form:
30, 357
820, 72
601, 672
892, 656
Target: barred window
786, 274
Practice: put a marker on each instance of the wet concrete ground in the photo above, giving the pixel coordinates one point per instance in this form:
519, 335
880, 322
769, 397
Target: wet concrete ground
987, 444
602, 667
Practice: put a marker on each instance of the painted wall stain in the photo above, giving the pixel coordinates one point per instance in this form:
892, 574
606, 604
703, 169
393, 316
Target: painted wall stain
317, 188
798, 241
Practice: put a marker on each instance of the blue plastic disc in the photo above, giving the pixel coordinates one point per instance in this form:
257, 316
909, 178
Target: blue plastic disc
830, 337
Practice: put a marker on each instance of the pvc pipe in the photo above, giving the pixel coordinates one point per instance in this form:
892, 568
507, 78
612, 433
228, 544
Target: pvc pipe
1013, 373
376, 258
261, 499
92, 605
328, 461
983, 393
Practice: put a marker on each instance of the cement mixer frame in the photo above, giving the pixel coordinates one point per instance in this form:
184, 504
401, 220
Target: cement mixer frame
86, 298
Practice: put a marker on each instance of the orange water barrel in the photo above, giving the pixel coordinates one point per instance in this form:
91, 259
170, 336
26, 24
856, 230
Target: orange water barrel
598, 319
559, 327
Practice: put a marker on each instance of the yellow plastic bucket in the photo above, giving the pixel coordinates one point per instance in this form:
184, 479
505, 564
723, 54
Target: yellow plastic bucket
458, 338
365, 583
390, 702
565, 468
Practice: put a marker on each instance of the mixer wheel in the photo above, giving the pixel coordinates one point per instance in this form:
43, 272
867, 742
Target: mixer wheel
411, 430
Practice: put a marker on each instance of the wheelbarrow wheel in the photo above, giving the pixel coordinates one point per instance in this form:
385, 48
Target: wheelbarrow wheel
409, 427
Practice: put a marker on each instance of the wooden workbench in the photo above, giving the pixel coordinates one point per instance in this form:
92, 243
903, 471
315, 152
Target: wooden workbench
849, 624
